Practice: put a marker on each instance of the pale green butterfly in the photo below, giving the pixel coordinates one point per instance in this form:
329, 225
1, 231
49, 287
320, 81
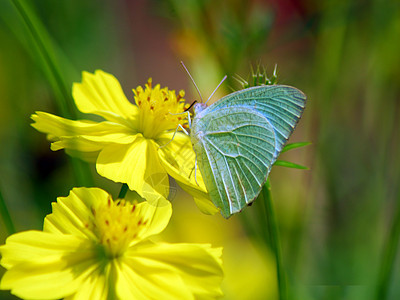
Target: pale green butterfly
238, 139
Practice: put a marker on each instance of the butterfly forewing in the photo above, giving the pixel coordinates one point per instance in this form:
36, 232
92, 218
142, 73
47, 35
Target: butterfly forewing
235, 149
281, 105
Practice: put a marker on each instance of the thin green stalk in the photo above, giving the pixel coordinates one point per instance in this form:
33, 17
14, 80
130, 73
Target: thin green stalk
64, 99
274, 240
8, 223
123, 191
28, 18
389, 256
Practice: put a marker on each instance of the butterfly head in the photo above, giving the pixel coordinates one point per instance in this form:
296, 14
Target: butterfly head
199, 107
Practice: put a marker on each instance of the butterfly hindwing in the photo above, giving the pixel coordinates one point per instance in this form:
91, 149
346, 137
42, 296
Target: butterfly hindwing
235, 149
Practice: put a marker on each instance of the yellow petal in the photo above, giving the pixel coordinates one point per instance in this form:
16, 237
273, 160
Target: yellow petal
40, 245
126, 164
89, 157
81, 135
178, 158
81, 139
56, 126
156, 181
157, 217
42, 265
100, 93
198, 265
95, 287
72, 214
136, 164
140, 282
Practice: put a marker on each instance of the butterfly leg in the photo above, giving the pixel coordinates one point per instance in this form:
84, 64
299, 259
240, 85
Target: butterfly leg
191, 171
189, 121
176, 130
188, 116
195, 169
179, 126
184, 130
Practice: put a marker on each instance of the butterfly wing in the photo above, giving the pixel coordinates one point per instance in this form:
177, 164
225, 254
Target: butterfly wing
235, 149
282, 106
238, 138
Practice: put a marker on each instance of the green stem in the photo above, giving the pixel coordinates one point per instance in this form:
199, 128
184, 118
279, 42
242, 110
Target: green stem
275, 242
6, 216
123, 191
389, 256
51, 67
28, 18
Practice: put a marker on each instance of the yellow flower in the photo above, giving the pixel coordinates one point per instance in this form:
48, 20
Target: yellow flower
133, 143
94, 248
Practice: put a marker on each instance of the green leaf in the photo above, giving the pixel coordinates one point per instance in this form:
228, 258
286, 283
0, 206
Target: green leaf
288, 164
294, 146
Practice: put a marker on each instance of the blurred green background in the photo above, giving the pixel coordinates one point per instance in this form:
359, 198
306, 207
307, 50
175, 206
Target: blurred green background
335, 219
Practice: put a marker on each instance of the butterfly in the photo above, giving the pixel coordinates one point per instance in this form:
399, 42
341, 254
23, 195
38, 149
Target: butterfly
238, 138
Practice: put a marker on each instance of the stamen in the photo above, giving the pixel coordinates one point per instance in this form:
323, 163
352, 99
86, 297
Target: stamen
115, 227
156, 107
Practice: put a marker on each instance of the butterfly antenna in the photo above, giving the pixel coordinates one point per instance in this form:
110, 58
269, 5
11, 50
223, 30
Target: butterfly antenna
194, 83
212, 94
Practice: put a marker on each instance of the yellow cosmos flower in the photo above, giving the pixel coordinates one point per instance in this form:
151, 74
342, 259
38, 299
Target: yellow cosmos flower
94, 248
133, 143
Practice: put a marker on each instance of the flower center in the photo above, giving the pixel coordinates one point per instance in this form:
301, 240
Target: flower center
160, 109
117, 224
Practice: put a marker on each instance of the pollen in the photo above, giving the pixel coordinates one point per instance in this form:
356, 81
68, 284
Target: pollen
161, 109
116, 226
